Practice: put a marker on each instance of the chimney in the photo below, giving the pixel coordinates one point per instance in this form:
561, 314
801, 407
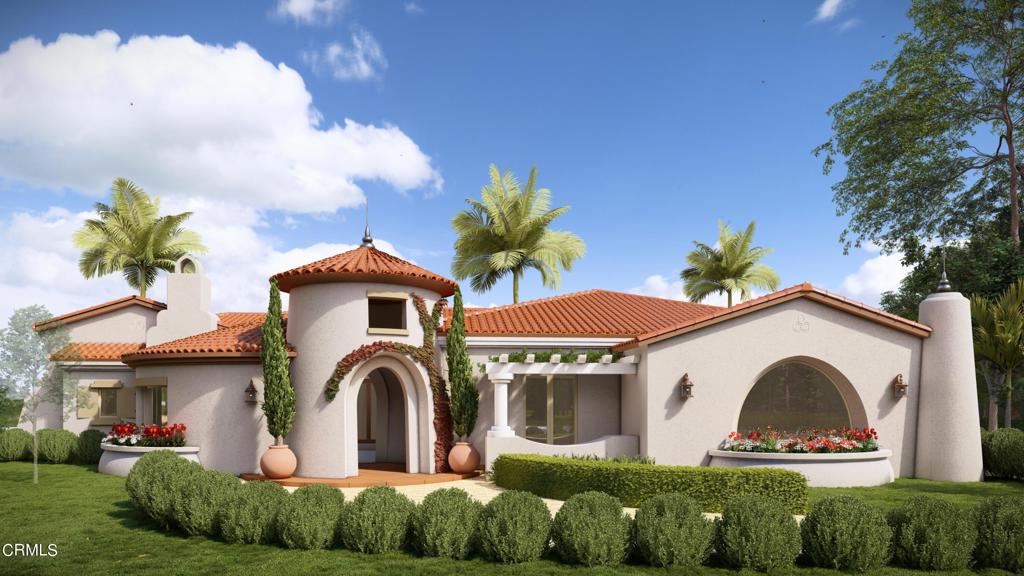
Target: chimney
188, 304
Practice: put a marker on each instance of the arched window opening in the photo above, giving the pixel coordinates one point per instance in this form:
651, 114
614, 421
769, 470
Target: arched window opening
791, 397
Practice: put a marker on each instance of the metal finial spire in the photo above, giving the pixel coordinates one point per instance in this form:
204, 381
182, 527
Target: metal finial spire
367, 237
944, 285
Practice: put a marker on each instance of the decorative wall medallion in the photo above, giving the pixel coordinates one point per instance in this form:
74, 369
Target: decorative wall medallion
801, 324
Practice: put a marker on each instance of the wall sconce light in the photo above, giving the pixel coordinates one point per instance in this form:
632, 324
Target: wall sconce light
250, 392
685, 387
899, 387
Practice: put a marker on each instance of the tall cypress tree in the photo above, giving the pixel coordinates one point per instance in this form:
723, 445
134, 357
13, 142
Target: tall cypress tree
278, 394
464, 396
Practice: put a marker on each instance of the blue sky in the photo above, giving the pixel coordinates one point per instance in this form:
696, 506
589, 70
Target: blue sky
652, 120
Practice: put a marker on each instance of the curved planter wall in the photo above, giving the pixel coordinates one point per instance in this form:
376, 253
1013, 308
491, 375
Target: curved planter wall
835, 470
118, 460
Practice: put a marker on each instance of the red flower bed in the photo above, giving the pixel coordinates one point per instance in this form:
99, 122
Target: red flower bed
128, 434
837, 440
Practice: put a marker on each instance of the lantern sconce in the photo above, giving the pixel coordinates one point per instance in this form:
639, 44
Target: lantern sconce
685, 387
899, 387
251, 394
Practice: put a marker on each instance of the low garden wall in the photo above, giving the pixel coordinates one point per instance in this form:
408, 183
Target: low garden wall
821, 470
611, 446
632, 483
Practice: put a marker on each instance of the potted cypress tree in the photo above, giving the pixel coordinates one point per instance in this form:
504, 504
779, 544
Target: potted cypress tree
465, 399
278, 395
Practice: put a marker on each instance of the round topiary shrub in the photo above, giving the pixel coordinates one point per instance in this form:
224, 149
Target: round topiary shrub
307, 518
88, 450
15, 444
758, 533
199, 497
514, 527
57, 446
932, 534
591, 529
444, 524
671, 530
1001, 534
140, 479
250, 515
157, 486
376, 521
844, 533
1006, 453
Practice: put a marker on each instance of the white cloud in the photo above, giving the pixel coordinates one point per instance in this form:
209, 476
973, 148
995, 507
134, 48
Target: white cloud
362, 59
878, 274
659, 287
828, 9
187, 119
310, 12
413, 7
849, 24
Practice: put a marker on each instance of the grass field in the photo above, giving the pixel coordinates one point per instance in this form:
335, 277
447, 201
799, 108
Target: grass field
9, 413
96, 531
892, 495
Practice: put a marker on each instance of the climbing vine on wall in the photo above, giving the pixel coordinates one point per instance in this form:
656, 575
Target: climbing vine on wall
425, 356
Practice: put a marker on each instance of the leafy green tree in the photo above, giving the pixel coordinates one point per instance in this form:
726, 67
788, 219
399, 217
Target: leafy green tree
728, 267
930, 145
465, 399
999, 340
506, 232
131, 237
278, 394
27, 368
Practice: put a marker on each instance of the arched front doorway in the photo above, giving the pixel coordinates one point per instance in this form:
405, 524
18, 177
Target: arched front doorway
381, 421
800, 394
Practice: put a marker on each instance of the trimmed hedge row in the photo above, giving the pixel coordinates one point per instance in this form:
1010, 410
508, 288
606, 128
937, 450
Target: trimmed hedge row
560, 478
56, 446
590, 529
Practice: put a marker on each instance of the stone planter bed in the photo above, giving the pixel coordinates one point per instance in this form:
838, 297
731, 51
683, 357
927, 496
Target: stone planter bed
118, 460
821, 470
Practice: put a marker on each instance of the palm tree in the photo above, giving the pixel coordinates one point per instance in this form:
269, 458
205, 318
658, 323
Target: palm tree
729, 266
506, 232
131, 237
999, 345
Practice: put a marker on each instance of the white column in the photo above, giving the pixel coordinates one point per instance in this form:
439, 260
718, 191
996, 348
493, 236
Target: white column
501, 428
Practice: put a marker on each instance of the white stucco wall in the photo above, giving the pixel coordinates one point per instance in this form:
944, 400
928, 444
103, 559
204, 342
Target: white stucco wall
123, 325
725, 360
52, 415
210, 400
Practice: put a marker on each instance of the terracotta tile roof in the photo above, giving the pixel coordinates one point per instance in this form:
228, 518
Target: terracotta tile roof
99, 309
365, 265
805, 290
594, 313
226, 319
238, 342
95, 351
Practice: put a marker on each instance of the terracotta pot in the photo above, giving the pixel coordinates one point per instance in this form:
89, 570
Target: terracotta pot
278, 462
463, 458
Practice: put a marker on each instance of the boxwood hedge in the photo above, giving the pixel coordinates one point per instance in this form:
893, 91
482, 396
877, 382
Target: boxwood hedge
15, 444
560, 478
57, 446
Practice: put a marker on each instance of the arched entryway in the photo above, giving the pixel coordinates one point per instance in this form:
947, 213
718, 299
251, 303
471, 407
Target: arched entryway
800, 394
381, 420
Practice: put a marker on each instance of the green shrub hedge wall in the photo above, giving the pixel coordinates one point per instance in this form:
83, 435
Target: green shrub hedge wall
57, 446
932, 534
671, 530
444, 524
376, 521
15, 444
1001, 534
140, 478
88, 450
591, 529
514, 527
844, 533
308, 518
251, 514
200, 498
757, 533
1006, 453
559, 478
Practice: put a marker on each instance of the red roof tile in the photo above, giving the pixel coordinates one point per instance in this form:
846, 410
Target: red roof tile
226, 319
805, 290
365, 265
594, 313
238, 341
99, 309
95, 351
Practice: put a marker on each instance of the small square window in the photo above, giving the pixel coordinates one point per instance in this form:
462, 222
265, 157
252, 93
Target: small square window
108, 401
387, 313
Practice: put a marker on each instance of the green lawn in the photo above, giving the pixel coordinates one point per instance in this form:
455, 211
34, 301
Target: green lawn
892, 495
96, 531
10, 413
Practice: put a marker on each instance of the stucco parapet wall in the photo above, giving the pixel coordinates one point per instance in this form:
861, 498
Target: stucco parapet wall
495, 370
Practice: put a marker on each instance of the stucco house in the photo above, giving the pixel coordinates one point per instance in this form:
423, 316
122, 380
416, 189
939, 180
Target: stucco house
666, 379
